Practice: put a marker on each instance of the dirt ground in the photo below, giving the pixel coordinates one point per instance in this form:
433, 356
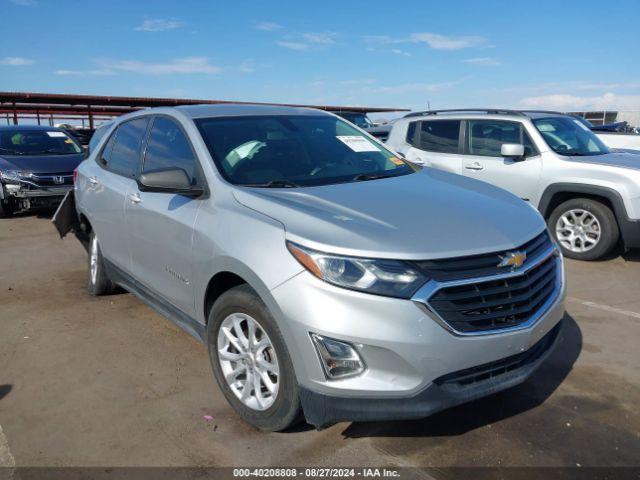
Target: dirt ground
108, 382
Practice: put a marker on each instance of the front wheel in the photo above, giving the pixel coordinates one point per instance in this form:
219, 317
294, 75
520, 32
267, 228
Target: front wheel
584, 228
251, 362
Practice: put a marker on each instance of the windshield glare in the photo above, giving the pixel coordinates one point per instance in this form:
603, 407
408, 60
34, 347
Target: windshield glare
37, 142
295, 151
569, 136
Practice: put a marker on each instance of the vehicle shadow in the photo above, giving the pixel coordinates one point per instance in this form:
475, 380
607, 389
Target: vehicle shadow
4, 390
488, 410
632, 255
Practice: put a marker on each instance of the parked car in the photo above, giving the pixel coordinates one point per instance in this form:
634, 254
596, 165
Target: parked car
36, 167
326, 275
381, 132
619, 136
589, 196
359, 119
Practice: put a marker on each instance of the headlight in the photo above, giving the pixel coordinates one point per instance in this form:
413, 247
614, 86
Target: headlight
381, 277
13, 175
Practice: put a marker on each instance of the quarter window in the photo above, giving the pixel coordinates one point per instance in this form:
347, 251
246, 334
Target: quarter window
439, 136
486, 137
121, 155
168, 147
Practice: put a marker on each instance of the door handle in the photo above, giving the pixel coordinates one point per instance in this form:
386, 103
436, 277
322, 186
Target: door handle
93, 180
135, 198
474, 166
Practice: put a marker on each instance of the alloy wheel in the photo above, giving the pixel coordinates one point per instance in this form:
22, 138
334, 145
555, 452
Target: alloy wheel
578, 230
248, 361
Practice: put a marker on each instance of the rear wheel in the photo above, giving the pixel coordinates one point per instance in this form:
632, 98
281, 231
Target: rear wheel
98, 282
251, 362
584, 228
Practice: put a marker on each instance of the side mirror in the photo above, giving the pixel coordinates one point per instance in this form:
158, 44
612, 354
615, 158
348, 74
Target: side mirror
514, 151
168, 180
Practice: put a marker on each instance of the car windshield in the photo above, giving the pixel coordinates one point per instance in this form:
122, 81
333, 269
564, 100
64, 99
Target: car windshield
37, 142
569, 136
359, 119
291, 151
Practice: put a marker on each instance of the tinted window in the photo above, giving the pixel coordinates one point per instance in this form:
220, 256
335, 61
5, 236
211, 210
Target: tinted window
411, 133
168, 147
97, 136
439, 136
300, 150
122, 153
487, 136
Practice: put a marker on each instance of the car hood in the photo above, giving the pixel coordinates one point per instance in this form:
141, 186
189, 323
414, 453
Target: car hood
41, 163
429, 214
617, 159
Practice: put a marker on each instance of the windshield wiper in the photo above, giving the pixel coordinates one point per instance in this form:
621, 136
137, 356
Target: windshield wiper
371, 176
274, 184
11, 151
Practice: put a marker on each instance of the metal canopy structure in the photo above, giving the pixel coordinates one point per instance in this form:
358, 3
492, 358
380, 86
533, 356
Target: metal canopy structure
15, 106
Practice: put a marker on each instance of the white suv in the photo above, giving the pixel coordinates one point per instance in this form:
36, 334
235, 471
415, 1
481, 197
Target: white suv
589, 196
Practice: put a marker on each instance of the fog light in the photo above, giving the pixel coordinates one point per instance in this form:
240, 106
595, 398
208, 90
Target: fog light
339, 359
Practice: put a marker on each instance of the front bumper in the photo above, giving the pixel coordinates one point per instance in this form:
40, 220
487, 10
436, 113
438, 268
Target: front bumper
445, 392
404, 346
26, 197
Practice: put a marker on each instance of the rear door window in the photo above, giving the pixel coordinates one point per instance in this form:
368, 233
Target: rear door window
122, 152
441, 136
168, 147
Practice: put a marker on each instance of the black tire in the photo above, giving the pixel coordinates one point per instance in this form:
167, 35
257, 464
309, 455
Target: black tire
98, 284
285, 410
5, 208
609, 231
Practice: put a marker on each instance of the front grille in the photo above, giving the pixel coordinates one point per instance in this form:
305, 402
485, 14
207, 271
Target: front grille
49, 180
475, 376
496, 304
475, 266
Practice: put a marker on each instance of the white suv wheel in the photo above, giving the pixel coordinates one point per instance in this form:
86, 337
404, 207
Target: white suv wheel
578, 230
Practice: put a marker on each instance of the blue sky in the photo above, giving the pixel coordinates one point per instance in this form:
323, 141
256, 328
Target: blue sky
569, 55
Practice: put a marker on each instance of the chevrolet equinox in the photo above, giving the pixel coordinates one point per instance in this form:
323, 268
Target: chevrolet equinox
330, 279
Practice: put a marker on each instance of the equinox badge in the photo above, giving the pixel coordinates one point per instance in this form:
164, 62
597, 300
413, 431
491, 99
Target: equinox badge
513, 260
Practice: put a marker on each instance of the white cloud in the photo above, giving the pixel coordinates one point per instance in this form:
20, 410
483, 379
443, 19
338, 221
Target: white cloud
483, 61
442, 42
159, 25
24, 3
606, 101
16, 61
269, 26
398, 51
187, 65
321, 38
433, 40
298, 46
415, 87
84, 73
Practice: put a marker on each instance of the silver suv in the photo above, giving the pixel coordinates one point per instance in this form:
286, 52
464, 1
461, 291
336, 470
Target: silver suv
326, 275
589, 196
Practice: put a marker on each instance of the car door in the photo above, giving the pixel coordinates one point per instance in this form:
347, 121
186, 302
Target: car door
483, 160
108, 181
435, 143
160, 225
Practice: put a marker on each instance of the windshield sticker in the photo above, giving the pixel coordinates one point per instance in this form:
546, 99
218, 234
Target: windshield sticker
358, 143
396, 161
581, 125
57, 134
545, 127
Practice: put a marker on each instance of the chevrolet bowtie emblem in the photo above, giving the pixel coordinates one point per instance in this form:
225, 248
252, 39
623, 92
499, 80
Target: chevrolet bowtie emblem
512, 259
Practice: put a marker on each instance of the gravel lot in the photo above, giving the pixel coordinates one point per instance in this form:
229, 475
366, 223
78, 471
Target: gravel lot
108, 382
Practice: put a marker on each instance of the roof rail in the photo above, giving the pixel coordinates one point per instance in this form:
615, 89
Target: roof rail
499, 111
543, 111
